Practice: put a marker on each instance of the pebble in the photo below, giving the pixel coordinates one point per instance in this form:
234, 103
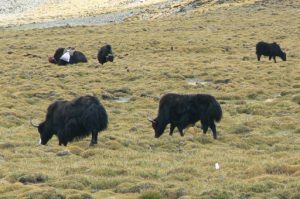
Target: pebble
63, 153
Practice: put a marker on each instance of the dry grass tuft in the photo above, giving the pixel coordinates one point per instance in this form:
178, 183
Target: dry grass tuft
45, 193
33, 178
217, 194
134, 188
282, 169
150, 195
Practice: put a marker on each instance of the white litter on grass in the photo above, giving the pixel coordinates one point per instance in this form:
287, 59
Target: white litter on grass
217, 166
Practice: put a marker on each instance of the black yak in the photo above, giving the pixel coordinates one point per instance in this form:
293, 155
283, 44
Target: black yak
75, 119
64, 56
272, 50
105, 54
182, 111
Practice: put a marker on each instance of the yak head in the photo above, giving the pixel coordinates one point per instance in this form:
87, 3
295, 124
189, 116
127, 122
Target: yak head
109, 57
51, 59
156, 126
283, 56
44, 130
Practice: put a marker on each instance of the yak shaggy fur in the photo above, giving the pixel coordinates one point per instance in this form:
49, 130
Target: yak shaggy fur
71, 120
182, 111
77, 57
269, 49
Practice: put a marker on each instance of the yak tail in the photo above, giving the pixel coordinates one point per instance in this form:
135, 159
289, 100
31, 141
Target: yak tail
215, 111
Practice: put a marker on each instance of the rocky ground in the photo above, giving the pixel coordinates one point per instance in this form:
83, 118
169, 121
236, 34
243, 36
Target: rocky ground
52, 13
17, 6
17, 12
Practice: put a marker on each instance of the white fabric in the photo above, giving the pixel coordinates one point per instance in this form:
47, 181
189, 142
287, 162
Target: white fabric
66, 56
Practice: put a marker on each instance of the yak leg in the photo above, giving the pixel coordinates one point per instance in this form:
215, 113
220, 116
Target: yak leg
204, 126
258, 57
62, 138
184, 121
205, 129
172, 127
62, 62
270, 57
213, 128
63, 141
94, 138
180, 128
274, 59
180, 131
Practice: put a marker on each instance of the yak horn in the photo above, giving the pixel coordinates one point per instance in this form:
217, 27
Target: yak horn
34, 125
150, 120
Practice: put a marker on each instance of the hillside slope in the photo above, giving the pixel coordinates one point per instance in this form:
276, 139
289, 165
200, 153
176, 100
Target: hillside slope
38, 11
196, 52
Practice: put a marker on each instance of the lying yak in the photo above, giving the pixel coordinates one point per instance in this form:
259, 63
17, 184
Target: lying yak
272, 50
105, 54
182, 111
64, 56
73, 120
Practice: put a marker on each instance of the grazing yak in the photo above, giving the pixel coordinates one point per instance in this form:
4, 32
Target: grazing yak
105, 54
73, 120
182, 111
272, 50
64, 56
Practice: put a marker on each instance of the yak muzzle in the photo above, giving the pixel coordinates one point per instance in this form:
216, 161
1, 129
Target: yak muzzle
110, 58
51, 60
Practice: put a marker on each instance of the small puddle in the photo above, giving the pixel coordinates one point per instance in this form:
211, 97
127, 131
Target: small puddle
121, 99
195, 81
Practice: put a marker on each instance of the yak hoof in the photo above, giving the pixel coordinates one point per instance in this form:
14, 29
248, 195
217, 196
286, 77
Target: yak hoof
93, 143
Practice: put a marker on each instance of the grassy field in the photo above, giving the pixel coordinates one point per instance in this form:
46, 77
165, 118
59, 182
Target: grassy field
258, 148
